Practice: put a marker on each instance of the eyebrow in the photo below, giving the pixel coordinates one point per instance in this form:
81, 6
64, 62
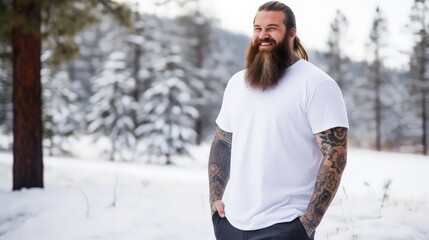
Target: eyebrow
269, 25
273, 25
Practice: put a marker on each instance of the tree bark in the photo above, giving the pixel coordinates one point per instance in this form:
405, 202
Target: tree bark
424, 122
27, 122
377, 103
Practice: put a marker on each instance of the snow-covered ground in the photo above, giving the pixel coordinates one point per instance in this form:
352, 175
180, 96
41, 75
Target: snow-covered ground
86, 198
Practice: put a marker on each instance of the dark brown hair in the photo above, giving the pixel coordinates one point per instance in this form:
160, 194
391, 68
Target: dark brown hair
289, 22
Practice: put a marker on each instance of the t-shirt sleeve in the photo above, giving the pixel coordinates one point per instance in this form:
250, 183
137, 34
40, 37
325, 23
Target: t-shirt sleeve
223, 119
326, 108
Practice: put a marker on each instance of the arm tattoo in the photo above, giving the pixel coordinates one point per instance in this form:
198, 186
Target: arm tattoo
219, 164
333, 144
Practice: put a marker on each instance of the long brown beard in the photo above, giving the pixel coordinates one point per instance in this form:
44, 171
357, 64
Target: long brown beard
265, 68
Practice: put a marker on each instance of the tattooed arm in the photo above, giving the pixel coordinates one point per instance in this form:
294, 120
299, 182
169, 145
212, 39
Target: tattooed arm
219, 165
333, 144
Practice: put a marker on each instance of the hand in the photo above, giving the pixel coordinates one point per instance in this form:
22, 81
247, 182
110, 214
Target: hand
308, 229
219, 207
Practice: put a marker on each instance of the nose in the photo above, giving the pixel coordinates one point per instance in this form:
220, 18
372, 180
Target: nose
263, 34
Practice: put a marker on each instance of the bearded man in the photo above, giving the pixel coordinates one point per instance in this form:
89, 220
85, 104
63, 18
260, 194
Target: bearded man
280, 146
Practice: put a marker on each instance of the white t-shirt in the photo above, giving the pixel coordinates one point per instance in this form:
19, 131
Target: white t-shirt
275, 158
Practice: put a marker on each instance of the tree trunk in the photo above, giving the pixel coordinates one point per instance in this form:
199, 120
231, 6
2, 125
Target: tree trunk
168, 159
199, 125
27, 122
423, 68
138, 89
377, 105
201, 37
424, 122
425, 89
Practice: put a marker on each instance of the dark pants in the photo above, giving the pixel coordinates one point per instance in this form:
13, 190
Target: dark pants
281, 231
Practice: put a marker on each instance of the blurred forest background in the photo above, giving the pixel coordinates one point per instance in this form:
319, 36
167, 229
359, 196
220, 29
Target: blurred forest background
152, 86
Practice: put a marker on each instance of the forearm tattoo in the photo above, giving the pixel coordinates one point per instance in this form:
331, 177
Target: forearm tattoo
333, 144
219, 164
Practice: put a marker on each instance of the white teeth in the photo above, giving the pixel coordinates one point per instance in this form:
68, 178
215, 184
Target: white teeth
265, 44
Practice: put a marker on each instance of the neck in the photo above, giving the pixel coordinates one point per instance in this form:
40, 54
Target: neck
293, 60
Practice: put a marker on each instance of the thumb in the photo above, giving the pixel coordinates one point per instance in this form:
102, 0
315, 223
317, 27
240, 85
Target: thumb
221, 212
220, 209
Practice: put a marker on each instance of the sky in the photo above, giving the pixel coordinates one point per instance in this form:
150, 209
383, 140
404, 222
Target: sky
313, 22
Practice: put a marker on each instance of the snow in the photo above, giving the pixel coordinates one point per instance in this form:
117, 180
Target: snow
88, 198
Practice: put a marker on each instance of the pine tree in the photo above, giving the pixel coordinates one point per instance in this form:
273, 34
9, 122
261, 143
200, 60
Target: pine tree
197, 52
27, 102
136, 41
399, 117
22, 23
96, 43
112, 107
169, 111
419, 64
218, 67
144, 41
212, 59
335, 58
61, 113
354, 88
5, 97
360, 109
376, 45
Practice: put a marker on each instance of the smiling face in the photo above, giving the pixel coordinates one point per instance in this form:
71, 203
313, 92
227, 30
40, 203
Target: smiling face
268, 29
270, 50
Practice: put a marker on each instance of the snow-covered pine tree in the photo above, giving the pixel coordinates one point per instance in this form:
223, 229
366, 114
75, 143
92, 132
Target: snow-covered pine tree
195, 29
112, 106
96, 43
144, 41
212, 57
61, 113
68, 87
29, 22
169, 112
6, 108
218, 67
211, 63
419, 67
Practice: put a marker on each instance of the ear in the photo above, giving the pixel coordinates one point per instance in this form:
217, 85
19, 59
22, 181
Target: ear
292, 33
292, 36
